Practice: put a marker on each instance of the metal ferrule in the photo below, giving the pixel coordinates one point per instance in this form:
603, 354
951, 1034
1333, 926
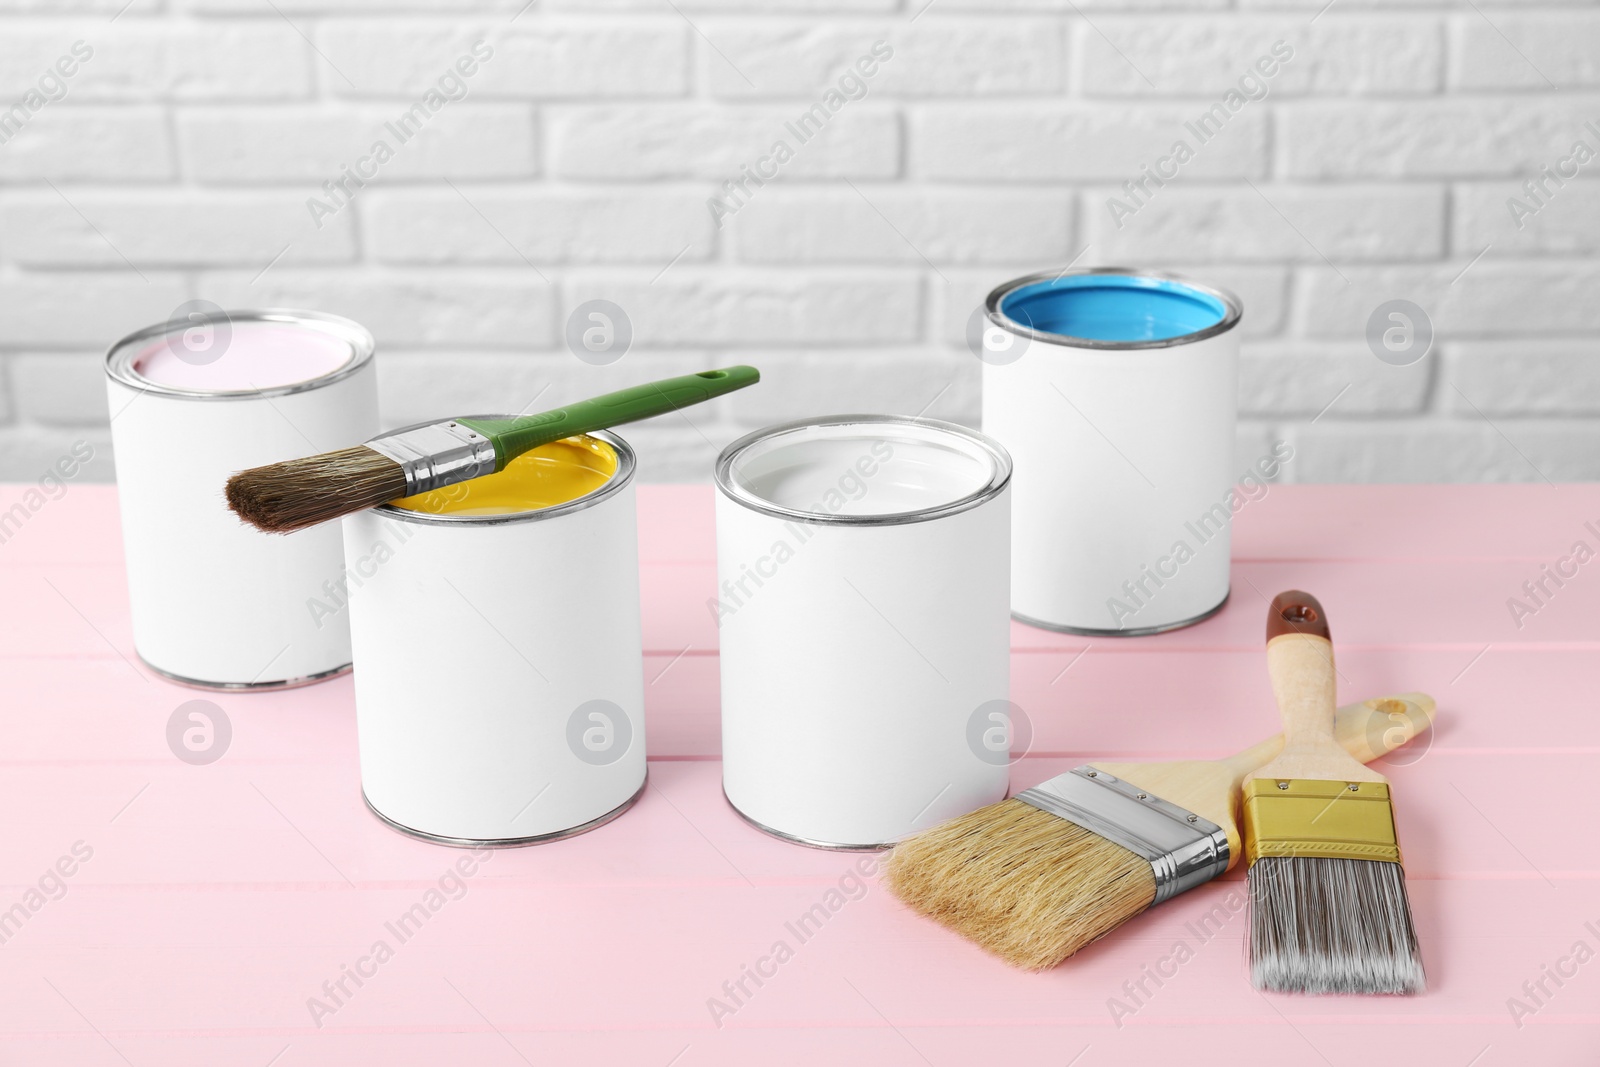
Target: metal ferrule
1301, 817
1184, 849
438, 454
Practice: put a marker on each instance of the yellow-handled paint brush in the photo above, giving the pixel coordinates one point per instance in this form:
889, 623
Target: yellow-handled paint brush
1328, 905
1035, 878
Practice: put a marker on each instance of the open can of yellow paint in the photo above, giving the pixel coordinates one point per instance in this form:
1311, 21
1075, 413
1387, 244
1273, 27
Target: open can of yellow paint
499, 663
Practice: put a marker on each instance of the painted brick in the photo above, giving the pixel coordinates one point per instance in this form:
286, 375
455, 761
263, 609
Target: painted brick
57, 8
1081, 142
1328, 381
676, 453
692, 307
929, 58
314, 145
445, 309
1271, 222
142, 59
1068, 7
1525, 50
533, 58
58, 388
1492, 298
754, 7
1532, 376
1483, 137
64, 144
644, 143
28, 452
365, 7
1564, 218
414, 386
893, 225
168, 228
85, 309
938, 383
1211, 55
1446, 451
1252, 453
629, 225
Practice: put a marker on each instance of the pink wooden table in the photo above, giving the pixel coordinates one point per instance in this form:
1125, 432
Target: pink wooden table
216, 901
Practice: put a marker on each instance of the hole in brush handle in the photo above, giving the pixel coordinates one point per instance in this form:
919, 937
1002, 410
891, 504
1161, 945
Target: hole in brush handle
1296, 612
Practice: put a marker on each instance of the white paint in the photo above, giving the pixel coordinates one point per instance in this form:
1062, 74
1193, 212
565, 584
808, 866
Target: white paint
853, 657
843, 470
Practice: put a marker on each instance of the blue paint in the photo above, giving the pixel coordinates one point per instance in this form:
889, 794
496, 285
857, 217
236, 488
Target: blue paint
1113, 307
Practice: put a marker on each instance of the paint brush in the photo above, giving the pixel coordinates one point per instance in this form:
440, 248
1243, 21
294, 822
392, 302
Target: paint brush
1328, 905
1035, 878
287, 496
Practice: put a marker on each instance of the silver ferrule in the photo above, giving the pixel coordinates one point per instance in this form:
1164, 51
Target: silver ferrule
436, 455
1184, 849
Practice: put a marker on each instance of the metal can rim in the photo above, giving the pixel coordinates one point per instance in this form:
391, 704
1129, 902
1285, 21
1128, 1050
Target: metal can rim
627, 464
119, 357
992, 308
999, 458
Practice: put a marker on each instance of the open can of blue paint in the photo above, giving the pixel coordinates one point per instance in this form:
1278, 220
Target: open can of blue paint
1115, 391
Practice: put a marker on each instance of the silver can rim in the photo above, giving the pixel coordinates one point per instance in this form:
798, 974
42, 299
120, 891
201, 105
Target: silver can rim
992, 308
119, 357
1000, 475
509, 842
627, 464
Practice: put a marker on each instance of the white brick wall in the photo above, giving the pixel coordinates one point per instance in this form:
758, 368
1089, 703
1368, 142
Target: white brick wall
577, 161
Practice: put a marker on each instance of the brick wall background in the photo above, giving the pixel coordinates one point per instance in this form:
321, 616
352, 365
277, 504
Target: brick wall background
1375, 164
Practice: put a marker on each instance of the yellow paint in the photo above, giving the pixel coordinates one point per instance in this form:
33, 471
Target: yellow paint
549, 475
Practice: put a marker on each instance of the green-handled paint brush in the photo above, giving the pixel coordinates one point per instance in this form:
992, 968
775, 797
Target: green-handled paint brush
1328, 905
294, 494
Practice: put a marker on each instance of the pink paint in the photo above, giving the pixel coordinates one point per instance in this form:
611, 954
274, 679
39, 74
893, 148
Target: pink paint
255, 356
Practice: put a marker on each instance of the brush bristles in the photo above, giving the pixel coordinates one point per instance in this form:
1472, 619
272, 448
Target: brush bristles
1321, 925
297, 493
1028, 886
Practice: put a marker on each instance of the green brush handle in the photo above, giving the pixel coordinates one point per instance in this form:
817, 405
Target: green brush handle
513, 437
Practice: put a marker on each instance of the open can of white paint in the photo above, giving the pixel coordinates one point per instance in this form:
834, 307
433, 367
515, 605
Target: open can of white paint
1115, 391
215, 603
499, 660
862, 565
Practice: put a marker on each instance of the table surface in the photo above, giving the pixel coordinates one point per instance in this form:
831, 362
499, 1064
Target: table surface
217, 900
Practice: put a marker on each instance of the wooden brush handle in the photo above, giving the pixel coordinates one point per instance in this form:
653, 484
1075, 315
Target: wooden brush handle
1300, 660
1368, 730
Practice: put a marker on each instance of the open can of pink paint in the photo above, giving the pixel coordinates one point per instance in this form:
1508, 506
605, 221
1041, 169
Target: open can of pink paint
216, 603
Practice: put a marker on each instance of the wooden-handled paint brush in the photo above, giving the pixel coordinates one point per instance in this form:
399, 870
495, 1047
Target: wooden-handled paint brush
1328, 905
1035, 878
282, 497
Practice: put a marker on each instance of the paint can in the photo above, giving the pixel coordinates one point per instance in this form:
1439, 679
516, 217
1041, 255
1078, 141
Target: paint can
499, 658
215, 603
1115, 391
862, 565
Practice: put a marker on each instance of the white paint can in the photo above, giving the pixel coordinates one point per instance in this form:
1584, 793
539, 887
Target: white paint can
499, 659
862, 563
1115, 391
215, 603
